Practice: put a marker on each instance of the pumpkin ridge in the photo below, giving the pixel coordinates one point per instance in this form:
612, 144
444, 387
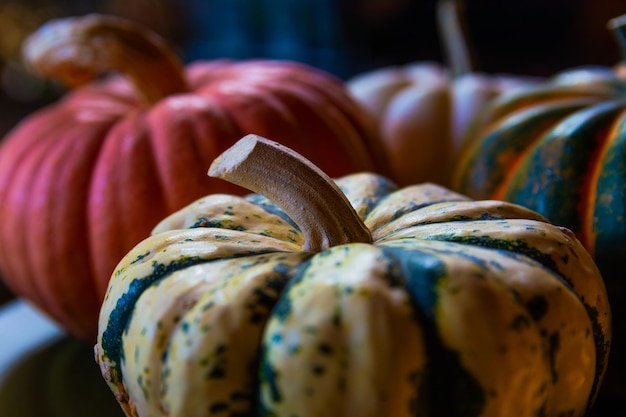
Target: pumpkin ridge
11, 168
329, 316
126, 153
398, 203
365, 190
362, 125
64, 158
271, 208
576, 139
445, 362
590, 188
537, 307
177, 258
476, 317
537, 95
254, 288
178, 127
534, 139
458, 211
121, 314
257, 113
516, 248
498, 126
609, 222
22, 153
339, 119
564, 250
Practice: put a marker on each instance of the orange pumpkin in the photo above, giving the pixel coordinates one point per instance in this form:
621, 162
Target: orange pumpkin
85, 179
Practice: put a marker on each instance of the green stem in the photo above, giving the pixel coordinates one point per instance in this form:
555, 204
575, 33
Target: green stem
311, 198
454, 35
76, 50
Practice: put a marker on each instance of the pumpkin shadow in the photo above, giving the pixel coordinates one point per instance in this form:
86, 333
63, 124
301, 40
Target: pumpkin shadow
60, 379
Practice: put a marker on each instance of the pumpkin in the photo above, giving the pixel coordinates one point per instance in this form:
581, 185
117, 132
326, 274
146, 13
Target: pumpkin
351, 297
423, 113
423, 108
86, 178
560, 149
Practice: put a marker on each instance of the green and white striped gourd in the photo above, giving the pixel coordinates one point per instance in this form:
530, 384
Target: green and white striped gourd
351, 297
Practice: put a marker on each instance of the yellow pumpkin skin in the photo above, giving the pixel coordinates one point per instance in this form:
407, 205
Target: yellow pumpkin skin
423, 113
455, 307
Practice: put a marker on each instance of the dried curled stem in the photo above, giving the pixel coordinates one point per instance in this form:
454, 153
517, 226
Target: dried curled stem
617, 26
302, 190
76, 50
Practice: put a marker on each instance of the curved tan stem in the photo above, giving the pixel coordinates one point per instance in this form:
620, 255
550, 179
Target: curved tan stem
76, 50
617, 26
454, 35
302, 190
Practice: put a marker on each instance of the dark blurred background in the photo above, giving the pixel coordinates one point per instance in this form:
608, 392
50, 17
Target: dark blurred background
344, 37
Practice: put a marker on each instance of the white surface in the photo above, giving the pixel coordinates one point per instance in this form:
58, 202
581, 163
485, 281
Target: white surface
23, 329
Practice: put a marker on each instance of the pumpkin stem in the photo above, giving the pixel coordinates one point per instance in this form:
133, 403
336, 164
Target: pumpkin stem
311, 198
76, 50
455, 38
617, 26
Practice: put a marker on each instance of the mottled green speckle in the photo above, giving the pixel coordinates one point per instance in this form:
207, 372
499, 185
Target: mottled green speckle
220, 224
325, 348
449, 379
337, 316
294, 349
184, 327
269, 376
218, 407
140, 257
537, 307
119, 318
422, 273
282, 309
520, 322
518, 246
318, 369
554, 343
217, 360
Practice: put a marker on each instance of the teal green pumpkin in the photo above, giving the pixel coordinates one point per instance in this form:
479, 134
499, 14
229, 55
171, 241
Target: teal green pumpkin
350, 298
560, 149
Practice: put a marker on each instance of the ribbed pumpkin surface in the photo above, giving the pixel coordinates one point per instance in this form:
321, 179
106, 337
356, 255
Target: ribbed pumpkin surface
560, 150
457, 308
84, 180
423, 113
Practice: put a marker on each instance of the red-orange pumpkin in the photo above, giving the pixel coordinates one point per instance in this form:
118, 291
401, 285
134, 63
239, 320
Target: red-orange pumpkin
85, 179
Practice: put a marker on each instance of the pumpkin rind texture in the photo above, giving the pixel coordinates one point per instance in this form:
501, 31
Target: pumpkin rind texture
423, 113
85, 179
560, 149
457, 308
